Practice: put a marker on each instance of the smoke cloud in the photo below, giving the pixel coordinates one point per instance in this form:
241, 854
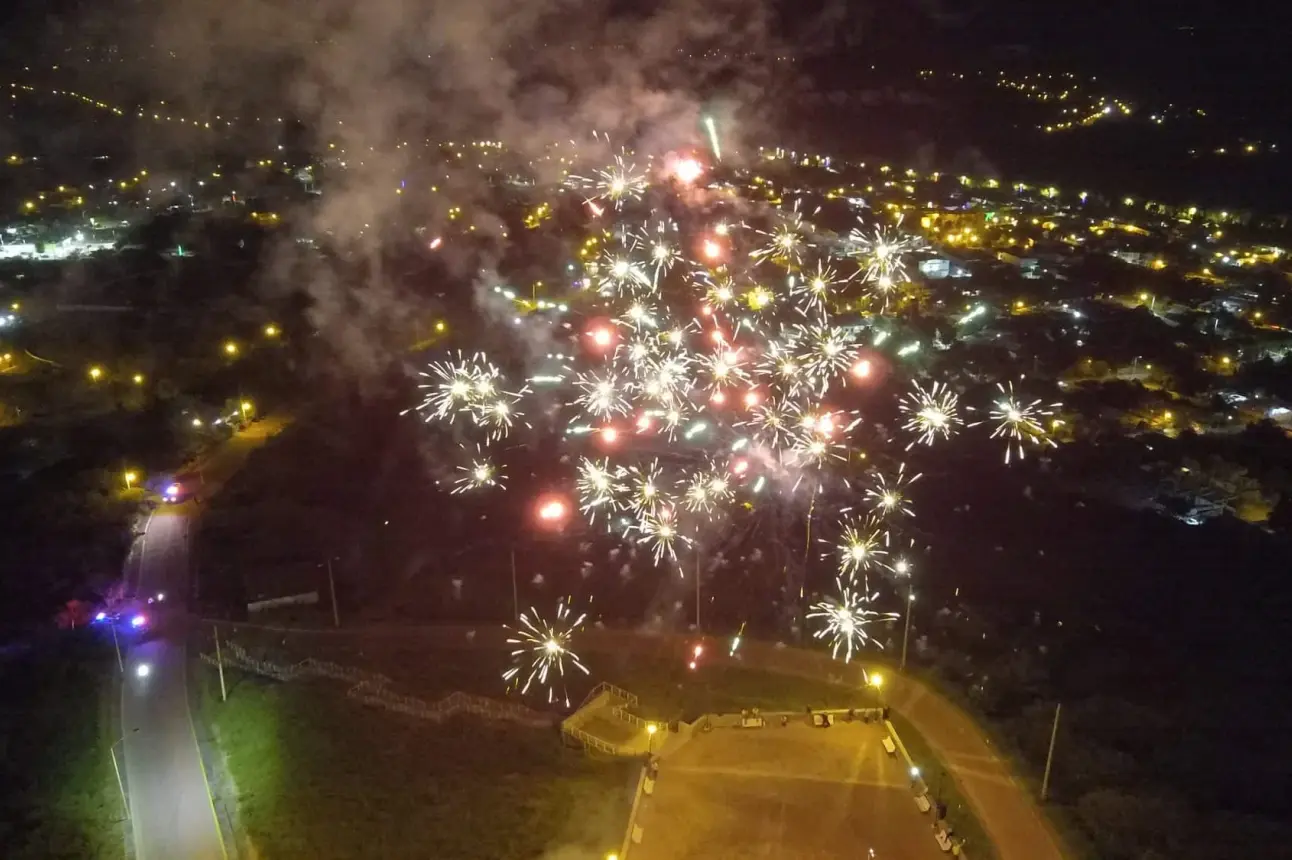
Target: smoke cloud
376, 86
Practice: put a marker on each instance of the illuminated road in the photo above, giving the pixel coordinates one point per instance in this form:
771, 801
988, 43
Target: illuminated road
172, 815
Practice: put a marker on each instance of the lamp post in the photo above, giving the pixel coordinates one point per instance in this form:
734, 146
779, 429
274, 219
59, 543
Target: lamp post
877, 681
903, 568
651, 729
130, 478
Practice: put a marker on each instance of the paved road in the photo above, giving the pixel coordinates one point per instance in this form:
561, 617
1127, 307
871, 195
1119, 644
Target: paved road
172, 814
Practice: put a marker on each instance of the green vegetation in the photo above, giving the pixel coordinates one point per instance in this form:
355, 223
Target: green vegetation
323, 777
58, 793
943, 788
669, 690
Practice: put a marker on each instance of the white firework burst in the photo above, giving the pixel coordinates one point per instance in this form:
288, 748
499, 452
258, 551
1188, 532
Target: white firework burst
931, 412
542, 650
845, 618
825, 353
479, 474
1020, 424
618, 183
787, 241
658, 529
861, 547
599, 485
601, 395
888, 496
812, 290
706, 489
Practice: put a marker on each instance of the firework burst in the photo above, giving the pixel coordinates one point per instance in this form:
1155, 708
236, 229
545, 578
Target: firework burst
888, 496
932, 412
479, 474
542, 649
844, 618
861, 546
720, 370
1020, 424
616, 184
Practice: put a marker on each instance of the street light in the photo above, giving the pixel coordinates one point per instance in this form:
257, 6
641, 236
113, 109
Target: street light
138, 379
96, 373
130, 477
271, 330
230, 348
651, 729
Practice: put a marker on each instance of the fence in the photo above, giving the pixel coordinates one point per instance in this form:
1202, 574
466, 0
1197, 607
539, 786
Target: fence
374, 689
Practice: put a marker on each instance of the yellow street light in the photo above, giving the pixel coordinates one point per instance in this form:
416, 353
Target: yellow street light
877, 681
230, 348
246, 407
130, 477
197, 422
138, 379
96, 373
439, 326
271, 330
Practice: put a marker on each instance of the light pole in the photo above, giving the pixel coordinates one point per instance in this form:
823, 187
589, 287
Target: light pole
331, 587
903, 568
112, 751
515, 593
1049, 756
877, 681
116, 643
906, 630
698, 558
651, 729
219, 664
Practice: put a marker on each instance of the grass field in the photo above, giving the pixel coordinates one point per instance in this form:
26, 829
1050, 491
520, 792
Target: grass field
667, 688
323, 777
58, 793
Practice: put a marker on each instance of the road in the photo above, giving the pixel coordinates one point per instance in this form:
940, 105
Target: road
172, 812
172, 815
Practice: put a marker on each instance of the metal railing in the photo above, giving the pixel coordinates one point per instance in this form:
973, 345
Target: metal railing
616, 692
591, 741
373, 689
619, 712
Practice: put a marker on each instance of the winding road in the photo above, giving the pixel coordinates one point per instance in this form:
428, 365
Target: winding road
172, 812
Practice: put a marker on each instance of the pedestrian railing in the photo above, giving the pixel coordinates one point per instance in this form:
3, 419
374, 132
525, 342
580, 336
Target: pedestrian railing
612, 692
374, 689
619, 712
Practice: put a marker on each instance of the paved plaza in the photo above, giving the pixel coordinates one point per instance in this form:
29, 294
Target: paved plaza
790, 793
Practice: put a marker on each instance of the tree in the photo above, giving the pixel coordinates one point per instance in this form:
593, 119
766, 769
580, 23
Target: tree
1132, 826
